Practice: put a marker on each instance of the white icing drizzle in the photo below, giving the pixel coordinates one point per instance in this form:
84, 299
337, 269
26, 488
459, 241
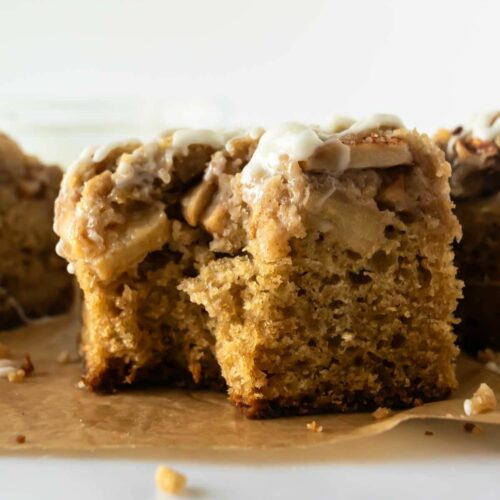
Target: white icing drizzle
100, 154
298, 142
373, 122
7, 366
183, 138
339, 123
483, 126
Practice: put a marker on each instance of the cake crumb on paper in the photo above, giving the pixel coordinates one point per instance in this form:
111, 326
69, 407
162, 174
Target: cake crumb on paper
314, 426
381, 413
17, 376
429, 433
20, 439
472, 428
169, 481
482, 401
27, 365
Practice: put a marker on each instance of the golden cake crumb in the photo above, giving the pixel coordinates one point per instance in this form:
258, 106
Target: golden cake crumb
472, 428
4, 351
63, 357
381, 413
314, 427
168, 480
483, 400
17, 376
429, 433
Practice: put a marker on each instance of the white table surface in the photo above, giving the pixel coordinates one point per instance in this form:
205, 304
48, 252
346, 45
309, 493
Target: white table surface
401, 464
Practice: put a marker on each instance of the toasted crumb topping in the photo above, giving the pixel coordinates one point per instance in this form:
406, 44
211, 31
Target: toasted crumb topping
482, 401
381, 413
169, 481
314, 427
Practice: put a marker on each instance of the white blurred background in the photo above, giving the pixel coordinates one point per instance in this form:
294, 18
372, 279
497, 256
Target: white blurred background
74, 73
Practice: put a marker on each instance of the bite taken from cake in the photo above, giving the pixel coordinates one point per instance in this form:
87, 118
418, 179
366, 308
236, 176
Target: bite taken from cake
307, 269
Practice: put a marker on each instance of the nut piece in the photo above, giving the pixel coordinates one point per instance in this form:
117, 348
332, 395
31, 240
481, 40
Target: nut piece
379, 155
314, 427
168, 480
20, 439
482, 401
381, 413
215, 218
27, 365
17, 376
196, 201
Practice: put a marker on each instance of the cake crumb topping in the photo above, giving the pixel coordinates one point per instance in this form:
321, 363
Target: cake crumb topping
314, 426
482, 401
169, 481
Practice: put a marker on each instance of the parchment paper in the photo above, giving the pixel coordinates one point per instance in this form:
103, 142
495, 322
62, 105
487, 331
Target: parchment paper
52, 413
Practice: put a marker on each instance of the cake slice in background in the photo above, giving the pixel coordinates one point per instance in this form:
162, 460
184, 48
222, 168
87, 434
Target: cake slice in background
474, 153
342, 297
33, 279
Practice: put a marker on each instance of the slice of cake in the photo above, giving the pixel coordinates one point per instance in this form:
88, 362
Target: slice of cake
474, 153
128, 220
33, 279
343, 296
313, 268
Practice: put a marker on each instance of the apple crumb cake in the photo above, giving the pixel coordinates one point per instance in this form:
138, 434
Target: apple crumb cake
474, 153
308, 269
33, 279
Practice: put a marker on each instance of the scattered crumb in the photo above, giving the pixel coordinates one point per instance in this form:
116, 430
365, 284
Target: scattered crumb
17, 376
20, 439
27, 365
472, 428
63, 358
381, 413
483, 400
4, 351
81, 384
314, 427
169, 480
429, 433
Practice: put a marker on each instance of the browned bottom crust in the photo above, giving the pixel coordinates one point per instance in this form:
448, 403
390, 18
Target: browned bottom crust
117, 374
358, 402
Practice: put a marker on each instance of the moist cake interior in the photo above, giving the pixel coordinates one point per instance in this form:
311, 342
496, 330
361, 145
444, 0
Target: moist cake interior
321, 280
